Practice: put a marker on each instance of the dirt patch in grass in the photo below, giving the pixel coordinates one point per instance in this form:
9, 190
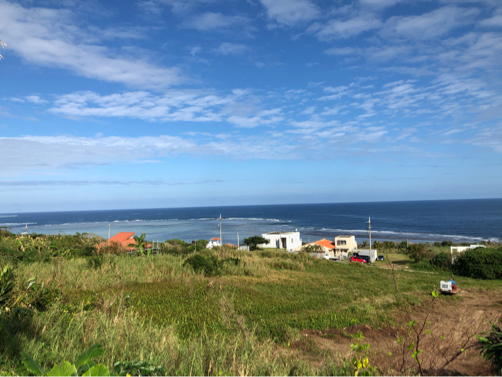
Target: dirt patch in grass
452, 320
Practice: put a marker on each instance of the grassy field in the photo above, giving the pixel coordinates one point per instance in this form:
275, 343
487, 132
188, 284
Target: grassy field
156, 309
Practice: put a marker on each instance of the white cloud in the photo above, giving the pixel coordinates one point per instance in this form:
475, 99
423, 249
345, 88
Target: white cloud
291, 12
214, 21
231, 49
495, 21
50, 37
68, 152
336, 28
35, 99
430, 25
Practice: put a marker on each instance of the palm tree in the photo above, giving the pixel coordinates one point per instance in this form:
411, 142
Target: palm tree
365, 243
140, 243
389, 244
376, 244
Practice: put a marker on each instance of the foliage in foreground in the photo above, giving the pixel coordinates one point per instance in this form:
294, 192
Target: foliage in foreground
490, 345
83, 366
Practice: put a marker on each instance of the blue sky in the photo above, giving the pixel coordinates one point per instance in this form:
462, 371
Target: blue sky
167, 103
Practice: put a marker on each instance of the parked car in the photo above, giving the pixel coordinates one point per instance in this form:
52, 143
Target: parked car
358, 259
380, 257
365, 257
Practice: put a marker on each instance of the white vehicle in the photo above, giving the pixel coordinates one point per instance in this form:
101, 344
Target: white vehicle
448, 288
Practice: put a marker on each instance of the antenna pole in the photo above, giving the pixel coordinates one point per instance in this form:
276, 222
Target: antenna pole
369, 231
221, 240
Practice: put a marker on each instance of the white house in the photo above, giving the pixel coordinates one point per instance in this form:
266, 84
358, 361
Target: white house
461, 249
213, 242
345, 244
290, 241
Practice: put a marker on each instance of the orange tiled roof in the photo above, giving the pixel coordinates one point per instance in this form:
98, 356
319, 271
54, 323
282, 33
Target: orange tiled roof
125, 239
326, 243
122, 237
215, 239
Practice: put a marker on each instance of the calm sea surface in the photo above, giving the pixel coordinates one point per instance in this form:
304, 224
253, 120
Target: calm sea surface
455, 220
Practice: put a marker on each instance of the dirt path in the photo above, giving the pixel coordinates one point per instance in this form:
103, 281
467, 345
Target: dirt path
452, 323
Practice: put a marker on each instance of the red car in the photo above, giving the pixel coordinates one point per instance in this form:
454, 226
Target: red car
357, 259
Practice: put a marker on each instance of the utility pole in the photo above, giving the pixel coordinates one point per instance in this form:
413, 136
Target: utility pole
369, 231
238, 241
109, 231
221, 240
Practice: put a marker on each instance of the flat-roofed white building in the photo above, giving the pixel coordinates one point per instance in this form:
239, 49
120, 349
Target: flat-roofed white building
461, 249
290, 241
345, 244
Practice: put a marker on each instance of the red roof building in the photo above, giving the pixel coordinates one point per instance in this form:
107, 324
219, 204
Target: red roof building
124, 239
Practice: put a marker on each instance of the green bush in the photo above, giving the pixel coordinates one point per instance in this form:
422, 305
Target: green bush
419, 252
210, 266
95, 262
442, 261
480, 263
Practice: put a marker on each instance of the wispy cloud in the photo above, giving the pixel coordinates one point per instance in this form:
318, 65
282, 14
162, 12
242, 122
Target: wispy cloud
226, 48
50, 37
209, 21
291, 12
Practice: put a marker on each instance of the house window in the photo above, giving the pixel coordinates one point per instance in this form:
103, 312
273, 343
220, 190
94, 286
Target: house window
341, 242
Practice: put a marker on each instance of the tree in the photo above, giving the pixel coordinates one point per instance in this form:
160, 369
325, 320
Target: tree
365, 243
140, 243
419, 252
389, 244
254, 241
376, 244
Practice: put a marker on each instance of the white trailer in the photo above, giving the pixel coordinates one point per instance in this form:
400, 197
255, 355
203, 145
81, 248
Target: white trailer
372, 254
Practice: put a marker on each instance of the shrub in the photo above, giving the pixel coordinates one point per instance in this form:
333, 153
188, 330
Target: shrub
95, 262
210, 266
442, 260
419, 252
480, 263
446, 243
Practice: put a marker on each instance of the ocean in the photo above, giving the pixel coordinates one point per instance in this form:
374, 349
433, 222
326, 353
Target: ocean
415, 221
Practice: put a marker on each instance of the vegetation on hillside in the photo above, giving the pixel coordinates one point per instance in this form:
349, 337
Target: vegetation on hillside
186, 309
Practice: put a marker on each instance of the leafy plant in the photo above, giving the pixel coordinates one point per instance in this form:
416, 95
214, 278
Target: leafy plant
139, 368
360, 361
491, 346
7, 284
84, 366
140, 243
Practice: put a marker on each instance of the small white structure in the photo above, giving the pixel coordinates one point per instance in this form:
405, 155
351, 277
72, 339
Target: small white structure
214, 242
461, 249
345, 244
290, 241
368, 253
